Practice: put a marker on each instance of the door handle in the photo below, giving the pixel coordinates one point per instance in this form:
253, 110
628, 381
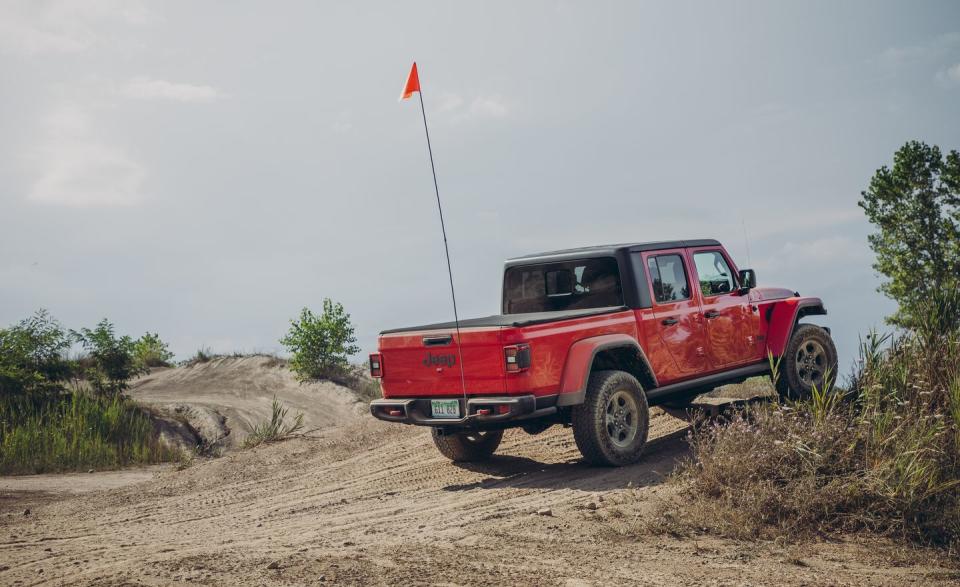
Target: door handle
668, 321
711, 314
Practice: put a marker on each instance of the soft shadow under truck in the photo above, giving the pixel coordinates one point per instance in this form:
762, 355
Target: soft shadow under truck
590, 338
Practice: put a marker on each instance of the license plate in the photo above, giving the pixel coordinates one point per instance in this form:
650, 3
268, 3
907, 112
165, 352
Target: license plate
445, 408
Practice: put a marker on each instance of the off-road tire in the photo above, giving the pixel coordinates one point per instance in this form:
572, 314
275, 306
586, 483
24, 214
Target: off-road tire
467, 447
599, 421
809, 360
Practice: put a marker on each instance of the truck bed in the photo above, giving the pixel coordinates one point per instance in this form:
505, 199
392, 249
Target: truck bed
511, 319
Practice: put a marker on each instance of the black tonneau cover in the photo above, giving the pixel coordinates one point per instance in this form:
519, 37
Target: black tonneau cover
511, 319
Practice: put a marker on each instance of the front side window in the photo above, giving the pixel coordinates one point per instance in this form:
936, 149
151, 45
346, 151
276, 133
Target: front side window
568, 285
668, 278
714, 273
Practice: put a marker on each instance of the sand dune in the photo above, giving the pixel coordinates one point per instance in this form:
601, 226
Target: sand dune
223, 399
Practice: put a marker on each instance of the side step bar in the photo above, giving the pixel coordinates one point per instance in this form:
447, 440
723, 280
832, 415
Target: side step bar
708, 381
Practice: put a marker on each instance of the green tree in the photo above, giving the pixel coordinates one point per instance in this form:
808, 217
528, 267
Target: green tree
112, 363
320, 345
32, 355
916, 209
150, 351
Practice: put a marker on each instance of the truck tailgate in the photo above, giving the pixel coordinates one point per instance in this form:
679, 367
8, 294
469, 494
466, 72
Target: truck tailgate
427, 363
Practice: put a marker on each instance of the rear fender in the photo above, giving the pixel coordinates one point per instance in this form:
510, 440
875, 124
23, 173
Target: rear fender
608, 351
784, 316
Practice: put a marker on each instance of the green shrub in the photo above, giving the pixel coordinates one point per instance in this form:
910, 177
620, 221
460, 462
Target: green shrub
321, 345
150, 351
42, 428
276, 428
47, 433
112, 363
915, 207
32, 355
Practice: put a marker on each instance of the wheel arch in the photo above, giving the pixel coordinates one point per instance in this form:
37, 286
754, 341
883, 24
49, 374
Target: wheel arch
606, 352
784, 317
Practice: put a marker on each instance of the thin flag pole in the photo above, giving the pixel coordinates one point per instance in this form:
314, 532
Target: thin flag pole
446, 249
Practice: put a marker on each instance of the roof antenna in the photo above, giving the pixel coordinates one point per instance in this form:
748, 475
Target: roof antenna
746, 241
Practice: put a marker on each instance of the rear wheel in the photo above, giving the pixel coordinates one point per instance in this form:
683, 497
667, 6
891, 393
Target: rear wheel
611, 425
465, 447
809, 361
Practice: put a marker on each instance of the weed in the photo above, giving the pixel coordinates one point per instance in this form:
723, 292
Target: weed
275, 429
203, 355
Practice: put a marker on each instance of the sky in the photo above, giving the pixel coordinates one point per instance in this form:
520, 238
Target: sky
204, 170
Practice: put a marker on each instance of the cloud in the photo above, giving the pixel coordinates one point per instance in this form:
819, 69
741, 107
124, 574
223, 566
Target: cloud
79, 169
450, 102
456, 108
909, 54
31, 27
827, 249
488, 107
343, 123
145, 88
950, 75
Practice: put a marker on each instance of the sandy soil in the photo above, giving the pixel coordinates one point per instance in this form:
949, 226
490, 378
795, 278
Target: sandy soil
222, 400
77, 483
372, 503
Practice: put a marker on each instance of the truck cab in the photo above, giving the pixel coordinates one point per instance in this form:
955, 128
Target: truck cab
592, 337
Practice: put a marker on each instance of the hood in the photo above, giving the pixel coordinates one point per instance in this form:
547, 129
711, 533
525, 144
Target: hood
759, 294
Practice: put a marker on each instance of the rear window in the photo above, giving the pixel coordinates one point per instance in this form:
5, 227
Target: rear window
569, 285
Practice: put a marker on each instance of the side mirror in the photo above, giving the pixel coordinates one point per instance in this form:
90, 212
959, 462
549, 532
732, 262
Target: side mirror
748, 280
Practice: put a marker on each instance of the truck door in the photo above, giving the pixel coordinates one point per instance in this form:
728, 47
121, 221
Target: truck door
728, 313
678, 324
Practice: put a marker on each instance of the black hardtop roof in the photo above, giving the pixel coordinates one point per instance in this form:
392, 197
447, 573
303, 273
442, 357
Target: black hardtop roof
611, 250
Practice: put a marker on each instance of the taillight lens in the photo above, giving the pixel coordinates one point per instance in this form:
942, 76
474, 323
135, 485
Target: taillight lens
517, 357
376, 365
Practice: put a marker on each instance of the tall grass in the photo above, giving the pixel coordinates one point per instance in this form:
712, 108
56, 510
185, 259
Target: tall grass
66, 432
882, 455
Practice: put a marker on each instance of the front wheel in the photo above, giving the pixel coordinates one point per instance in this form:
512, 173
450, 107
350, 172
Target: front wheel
611, 425
466, 447
809, 361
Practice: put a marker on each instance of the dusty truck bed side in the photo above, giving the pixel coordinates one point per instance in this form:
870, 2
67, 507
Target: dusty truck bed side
514, 320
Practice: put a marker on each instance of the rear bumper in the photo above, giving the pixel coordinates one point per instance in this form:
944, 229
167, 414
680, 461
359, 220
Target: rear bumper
417, 410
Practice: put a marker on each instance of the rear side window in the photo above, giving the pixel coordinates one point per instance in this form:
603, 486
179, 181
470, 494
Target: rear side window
668, 278
569, 285
714, 273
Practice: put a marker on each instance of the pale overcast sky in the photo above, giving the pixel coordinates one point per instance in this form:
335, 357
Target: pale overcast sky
206, 169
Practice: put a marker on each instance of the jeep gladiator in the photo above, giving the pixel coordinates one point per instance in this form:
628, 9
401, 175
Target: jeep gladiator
591, 338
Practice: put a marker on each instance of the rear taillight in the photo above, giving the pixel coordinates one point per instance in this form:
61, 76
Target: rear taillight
376, 365
517, 357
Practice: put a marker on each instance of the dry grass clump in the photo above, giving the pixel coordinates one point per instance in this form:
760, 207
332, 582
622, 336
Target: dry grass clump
276, 428
883, 455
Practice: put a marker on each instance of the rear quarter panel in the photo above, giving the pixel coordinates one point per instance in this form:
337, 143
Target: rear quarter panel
550, 344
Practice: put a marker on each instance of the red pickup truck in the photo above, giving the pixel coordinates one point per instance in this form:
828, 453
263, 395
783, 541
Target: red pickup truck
590, 338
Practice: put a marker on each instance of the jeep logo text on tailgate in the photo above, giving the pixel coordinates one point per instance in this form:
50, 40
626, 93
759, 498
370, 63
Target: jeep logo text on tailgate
432, 360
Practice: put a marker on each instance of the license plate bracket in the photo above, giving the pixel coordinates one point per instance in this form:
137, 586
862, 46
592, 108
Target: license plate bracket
445, 408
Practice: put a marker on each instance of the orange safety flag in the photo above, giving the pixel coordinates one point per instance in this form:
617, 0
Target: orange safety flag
413, 83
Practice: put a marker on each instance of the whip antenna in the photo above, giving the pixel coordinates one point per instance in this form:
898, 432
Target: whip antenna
413, 85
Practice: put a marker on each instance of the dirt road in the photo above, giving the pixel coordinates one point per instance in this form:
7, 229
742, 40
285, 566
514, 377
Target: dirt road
375, 504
